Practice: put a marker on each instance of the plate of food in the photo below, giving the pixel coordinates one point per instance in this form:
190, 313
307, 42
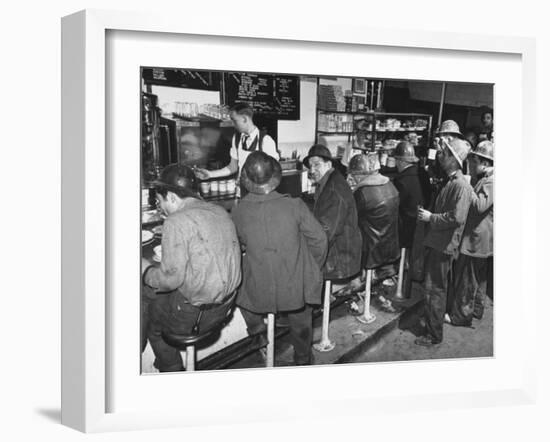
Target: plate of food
146, 236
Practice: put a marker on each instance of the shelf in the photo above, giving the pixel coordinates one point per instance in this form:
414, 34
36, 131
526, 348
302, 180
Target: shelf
201, 118
335, 133
335, 112
400, 130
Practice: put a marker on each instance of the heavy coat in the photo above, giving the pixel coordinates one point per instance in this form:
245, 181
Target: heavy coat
285, 248
335, 209
447, 221
477, 240
411, 196
378, 208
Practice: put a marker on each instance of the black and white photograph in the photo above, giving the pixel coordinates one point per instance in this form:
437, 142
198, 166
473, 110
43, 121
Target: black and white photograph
303, 220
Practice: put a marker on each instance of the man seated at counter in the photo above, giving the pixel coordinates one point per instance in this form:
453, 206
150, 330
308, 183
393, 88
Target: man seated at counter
334, 207
247, 139
285, 250
412, 192
200, 264
377, 202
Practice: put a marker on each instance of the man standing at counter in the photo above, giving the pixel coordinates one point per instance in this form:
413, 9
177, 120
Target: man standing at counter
445, 228
335, 209
200, 264
247, 139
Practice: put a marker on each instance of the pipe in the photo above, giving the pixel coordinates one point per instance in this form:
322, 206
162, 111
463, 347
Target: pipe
325, 344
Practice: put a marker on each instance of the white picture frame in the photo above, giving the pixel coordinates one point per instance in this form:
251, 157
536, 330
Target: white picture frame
86, 214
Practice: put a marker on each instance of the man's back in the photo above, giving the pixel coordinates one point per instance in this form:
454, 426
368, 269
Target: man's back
200, 253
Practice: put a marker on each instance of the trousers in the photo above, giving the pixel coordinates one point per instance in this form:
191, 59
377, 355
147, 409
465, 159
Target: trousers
469, 289
437, 281
168, 313
300, 329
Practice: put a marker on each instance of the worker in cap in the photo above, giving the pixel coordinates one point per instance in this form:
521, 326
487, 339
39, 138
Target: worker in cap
334, 207
377, 203
444, 231
476, 248
200, 265
285, 249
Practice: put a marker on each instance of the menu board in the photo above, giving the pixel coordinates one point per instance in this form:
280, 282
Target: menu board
203, 80
268, 94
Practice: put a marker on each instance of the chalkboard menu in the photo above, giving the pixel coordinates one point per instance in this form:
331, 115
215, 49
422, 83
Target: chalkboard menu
204, 80
268, 94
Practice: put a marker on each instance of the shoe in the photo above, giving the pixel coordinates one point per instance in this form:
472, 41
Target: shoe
353, 308
389, 282
447, 319
426, 341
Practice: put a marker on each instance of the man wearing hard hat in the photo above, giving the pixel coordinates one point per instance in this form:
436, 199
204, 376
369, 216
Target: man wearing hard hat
470, 280
444, 232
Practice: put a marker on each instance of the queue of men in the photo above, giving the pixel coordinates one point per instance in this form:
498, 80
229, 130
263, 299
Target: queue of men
273, 253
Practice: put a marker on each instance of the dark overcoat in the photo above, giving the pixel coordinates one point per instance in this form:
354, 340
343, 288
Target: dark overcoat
407, 183
335, 209
285, 248
378, 207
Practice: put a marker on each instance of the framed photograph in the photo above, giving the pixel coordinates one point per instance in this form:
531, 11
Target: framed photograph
122, 72
359, 85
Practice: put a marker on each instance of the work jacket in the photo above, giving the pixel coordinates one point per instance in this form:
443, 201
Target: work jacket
201, 257
477, 240
284, 247
378, 208
444, 231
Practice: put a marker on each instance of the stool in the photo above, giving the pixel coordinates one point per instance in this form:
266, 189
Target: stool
367, 317
188, 342
325, 345
270, 340
399, 292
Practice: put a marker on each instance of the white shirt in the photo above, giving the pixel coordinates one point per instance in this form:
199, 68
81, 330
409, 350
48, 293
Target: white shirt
238, 153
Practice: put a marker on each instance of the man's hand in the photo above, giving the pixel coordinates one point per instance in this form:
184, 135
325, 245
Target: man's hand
202, 174
424, 215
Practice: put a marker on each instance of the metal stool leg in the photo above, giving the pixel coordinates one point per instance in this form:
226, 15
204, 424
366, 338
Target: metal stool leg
190, 358
367, 316
270, 340
325, 344
399, 291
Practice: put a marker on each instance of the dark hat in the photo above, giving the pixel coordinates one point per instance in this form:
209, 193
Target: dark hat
318, 150
177, 178
261, 173
405, 152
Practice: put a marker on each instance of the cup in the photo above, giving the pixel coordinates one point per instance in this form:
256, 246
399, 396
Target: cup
223, 187
231, 186
205, 188
214, 188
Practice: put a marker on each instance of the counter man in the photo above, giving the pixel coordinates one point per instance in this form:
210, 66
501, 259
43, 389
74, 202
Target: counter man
247, 139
